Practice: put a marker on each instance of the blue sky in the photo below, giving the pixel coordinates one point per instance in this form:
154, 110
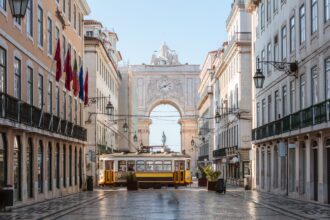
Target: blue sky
190, 27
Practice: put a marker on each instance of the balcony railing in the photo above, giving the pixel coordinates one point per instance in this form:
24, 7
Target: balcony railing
219, 152
18, 111
313, 115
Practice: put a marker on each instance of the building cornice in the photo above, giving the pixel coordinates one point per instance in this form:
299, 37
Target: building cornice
83, 5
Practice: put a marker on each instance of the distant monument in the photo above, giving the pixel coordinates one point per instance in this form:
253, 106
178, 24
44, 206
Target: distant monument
164, 139
165, 56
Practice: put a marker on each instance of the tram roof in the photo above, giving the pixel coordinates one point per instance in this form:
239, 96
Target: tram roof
151, 154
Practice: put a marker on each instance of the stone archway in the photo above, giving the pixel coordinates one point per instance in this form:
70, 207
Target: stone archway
164, 81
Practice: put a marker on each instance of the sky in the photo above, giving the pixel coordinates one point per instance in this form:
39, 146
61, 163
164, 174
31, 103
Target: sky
190, 27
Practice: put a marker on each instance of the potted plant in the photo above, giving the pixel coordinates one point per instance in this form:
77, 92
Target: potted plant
212, 177
131, 181
202, 181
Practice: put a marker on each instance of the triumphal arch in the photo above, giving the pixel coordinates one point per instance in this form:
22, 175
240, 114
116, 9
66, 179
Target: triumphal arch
164, 81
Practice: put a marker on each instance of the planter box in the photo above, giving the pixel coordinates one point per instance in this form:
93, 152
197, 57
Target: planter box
132, 185
211, 186
202, 182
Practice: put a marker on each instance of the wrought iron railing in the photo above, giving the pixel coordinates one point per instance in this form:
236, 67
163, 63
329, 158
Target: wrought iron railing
219, 152
312, 115
18, 111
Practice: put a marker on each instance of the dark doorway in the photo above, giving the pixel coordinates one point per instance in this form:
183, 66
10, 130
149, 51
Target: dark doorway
315, 161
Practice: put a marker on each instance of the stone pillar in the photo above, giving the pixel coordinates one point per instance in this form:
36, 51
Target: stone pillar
188, 131
309, 189
143, 132
24, 145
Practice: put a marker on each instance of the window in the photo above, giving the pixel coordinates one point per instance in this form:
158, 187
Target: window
40, 91
276, 53
158, 167
29, 18
17, 78
263, 58
3, 160
74, 17
69, 10
284, 100
258, 114
269, 108
263, 111
268, 10
292, 35
269, 52
277, 105
79, 24
64, 106
40, 26
63, 6
140, 165
64, 48
284, 42
57, 102
30, 85
314, 85
326, 10
314, 16
302, 91
49, 166
3, 70
149, 165
292, 96
57, 34
50, 96
275, 4
167, 166
262, 16
70, 108
327, 78
3, 4
40, 167
302, 24
49, 36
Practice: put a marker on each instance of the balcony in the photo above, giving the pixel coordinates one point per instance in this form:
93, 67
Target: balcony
313, 115
219, 152
238, 37
21, 112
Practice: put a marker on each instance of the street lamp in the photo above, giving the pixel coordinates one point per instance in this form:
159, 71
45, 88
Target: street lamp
125, 126
217, 117
110, 108
289, 68
18, 8
135, 138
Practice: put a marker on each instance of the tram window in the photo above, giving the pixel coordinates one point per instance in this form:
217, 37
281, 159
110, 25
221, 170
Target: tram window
167, 165
158, 165
108, 165
101, 164
188, 164
149, 165
122, 165
131, 165
140, 165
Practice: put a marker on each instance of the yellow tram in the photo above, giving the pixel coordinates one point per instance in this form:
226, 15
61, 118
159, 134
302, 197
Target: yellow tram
151, 169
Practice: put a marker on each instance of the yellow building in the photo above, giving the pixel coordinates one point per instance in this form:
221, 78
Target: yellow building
42, 134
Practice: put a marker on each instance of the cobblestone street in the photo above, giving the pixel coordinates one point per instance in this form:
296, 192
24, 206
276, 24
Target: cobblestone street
182, 203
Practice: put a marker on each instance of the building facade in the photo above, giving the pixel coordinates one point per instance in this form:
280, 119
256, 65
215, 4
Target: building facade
291, 140
41, 123
233, 98
101, 61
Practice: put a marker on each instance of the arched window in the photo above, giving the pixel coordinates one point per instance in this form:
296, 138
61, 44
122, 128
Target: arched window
57, 165
3, 160
17, 168
49, 166
70, 165
64, 165
75, 166
29, 168
40, 167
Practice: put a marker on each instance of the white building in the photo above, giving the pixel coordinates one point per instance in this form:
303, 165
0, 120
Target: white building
291, 125
233, 98
101, 61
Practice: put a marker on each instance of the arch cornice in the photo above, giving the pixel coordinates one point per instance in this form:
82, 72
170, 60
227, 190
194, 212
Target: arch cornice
167, 101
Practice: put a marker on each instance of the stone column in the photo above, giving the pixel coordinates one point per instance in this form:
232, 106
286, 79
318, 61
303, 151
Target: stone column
188, 131
143, 132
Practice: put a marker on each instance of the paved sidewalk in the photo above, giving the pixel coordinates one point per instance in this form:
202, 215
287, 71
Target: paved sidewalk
283, 204
54, 207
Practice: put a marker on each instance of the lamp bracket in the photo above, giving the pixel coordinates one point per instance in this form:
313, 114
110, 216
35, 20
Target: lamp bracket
289, 68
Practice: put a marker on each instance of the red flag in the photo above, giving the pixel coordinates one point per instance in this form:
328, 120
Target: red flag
58, 60
75, 85
68, 71
86, 89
